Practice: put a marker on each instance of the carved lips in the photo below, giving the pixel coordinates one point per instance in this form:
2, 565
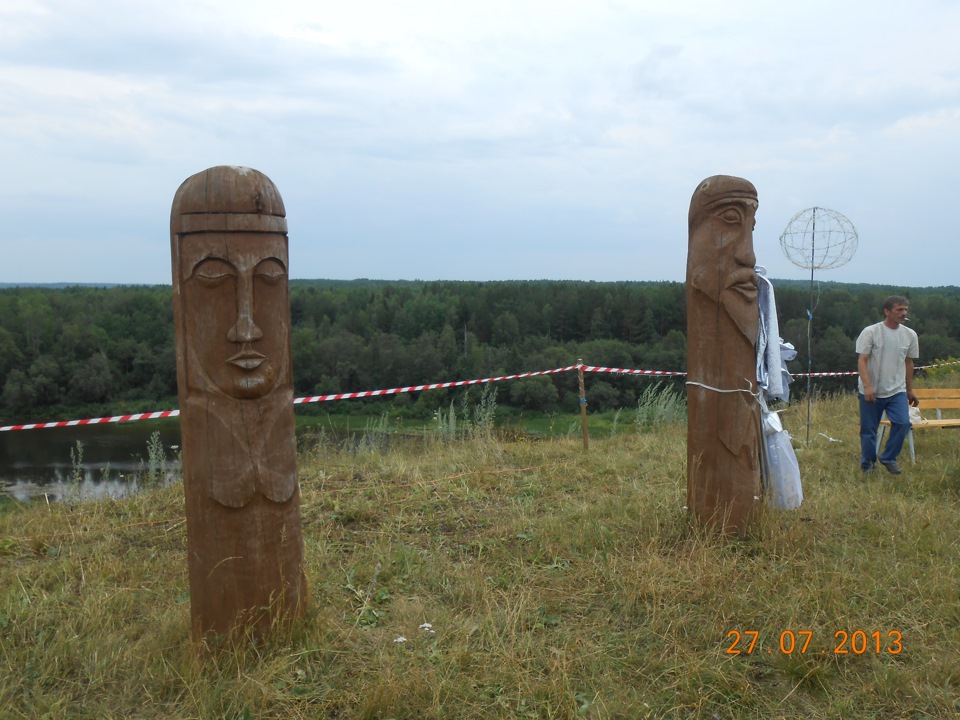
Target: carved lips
247, 359
744, 281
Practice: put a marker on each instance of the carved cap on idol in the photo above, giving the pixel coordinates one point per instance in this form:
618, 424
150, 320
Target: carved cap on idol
717, 188
228, 198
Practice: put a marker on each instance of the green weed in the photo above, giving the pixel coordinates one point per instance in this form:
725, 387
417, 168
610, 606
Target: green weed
536, 580
76, 463
153, 471
659, 403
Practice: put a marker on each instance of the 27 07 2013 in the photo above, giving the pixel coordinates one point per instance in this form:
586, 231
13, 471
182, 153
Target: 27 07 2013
845, 642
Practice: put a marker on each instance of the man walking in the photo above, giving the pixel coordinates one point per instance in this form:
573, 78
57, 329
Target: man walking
887, 351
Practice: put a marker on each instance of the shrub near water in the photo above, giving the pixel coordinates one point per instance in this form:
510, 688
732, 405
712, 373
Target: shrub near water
493, 579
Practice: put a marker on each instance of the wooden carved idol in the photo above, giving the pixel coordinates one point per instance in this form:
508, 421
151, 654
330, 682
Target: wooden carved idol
232, 318
723, 415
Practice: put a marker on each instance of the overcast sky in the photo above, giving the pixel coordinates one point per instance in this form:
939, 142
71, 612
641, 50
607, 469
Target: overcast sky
518, 139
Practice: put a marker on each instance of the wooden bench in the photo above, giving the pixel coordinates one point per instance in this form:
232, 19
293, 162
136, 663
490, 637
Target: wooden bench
938, 399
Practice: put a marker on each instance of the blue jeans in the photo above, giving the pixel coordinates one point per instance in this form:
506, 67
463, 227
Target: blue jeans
898, 413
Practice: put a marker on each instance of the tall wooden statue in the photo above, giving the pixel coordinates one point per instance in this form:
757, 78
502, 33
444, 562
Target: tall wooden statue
231, 304
723, 415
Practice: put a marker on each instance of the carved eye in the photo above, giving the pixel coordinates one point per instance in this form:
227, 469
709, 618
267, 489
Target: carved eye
270, 271
214, 271
732, 215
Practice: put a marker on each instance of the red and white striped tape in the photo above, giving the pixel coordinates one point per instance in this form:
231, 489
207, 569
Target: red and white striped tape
93, 421
418, 388
400, 390
626, 371
296, 401
854, 372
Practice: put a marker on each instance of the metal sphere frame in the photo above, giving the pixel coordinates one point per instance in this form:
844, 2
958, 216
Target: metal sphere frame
817, 238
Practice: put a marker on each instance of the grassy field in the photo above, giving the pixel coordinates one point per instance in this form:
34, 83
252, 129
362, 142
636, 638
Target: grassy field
466, 575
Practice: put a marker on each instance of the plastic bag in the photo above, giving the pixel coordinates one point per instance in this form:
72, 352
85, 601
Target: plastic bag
785, 490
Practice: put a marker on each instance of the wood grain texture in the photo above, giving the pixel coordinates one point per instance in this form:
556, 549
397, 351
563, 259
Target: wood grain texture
723, 415
235, 382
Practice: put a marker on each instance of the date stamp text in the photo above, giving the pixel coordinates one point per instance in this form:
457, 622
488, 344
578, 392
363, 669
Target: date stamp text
802, 642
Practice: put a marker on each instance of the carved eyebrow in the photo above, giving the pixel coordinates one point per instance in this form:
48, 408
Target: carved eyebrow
740, 202
213, 267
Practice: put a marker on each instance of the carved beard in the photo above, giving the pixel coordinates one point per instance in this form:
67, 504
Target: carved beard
743, 312
239, 448
739, 306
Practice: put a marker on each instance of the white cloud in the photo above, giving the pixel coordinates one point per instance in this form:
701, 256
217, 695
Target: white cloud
943, 123
470, 140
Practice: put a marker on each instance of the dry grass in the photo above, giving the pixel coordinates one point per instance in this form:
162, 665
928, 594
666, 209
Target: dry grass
557, 584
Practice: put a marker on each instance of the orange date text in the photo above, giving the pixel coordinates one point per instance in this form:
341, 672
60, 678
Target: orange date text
802, 642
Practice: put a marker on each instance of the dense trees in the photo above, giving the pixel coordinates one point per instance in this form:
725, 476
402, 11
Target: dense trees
85, 347
89, 349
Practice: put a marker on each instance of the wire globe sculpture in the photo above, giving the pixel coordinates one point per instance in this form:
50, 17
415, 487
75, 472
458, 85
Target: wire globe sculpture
819, 238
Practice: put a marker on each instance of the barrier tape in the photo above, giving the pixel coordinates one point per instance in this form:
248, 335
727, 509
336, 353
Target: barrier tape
854, 373
626, 371
927, 367
93, 421
418, 388
400, 390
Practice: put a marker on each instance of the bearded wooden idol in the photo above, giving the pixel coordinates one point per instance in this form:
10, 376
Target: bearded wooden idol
723, 415
231, 306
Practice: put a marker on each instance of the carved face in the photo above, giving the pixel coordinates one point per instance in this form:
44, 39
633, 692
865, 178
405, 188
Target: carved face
721, 256
236, 311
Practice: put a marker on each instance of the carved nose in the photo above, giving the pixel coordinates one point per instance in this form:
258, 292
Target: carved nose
244, 330
746, 256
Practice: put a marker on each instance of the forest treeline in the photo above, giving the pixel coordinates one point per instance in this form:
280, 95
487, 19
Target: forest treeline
109, 350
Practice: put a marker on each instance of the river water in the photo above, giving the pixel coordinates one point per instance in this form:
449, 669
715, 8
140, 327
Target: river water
108, 463
113, 459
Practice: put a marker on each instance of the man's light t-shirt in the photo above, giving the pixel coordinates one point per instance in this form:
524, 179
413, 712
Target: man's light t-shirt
888, 349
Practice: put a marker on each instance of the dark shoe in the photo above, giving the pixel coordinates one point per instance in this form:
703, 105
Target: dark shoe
892, 467
868, 469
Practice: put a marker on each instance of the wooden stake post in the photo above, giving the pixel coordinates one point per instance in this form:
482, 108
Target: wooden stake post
583, 407
231, 307
723, 415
